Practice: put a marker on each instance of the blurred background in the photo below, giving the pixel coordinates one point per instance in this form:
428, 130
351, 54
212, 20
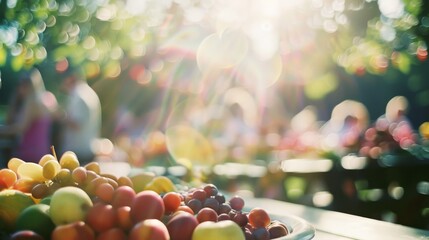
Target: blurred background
318, 102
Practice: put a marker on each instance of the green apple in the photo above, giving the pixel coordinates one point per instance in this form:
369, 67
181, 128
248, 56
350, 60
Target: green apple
36, 218
69, 204
225, 230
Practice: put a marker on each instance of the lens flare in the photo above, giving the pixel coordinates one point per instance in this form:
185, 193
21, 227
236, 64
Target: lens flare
186, 144
223, 50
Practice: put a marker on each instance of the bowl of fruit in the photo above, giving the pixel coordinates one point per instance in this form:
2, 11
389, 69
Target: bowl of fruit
60, 199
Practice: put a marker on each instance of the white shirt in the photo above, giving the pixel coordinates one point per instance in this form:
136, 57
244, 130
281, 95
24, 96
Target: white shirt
83, 107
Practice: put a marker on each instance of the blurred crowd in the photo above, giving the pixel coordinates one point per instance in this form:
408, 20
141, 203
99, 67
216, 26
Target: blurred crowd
348, 131
35, 120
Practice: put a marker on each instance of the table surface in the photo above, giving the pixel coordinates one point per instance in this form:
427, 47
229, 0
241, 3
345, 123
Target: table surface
335, 225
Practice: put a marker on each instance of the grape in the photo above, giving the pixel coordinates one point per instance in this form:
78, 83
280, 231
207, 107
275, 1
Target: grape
207, 214
258, 217
51, 169
277, 230
237, 203
261, 234
79, 175
69, 160
93, 166
195, 205
240, 218
104, 191
111, 176
112, 182
125, 181
220, 198
199, 194
90, 175
224, 208
64, 177
248, 235
211, 190
14, 163
46, 158
91, 186
24, 185
185, 208
211, 203
172, 201
40, 191
53, 186
223, 216
31, 170
7, 178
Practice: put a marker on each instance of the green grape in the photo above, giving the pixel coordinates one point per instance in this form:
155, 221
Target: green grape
53, 186
125, 181
64, 177
90, 175
51, 169
46, 158
69, 160
93, 166
108, 175
14, 163
113, 183
31, 171
91, 186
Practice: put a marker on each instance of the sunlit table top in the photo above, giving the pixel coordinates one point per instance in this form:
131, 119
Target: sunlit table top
335, 225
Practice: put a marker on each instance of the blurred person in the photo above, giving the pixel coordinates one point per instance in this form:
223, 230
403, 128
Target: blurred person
344, 130
81, 124
396, 123
29, 118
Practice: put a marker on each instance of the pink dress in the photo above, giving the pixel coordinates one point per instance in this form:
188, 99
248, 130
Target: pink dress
36, 141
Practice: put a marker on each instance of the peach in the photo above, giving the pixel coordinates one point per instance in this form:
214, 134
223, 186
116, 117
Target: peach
73, 231
101, 217
113, 233
181, 226
152, 229
147, 205
123, 196
124, 218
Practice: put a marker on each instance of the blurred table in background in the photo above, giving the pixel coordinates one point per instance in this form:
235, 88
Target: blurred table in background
392, 188
338, 226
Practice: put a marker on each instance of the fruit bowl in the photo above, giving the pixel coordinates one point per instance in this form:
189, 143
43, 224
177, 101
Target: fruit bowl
298, 227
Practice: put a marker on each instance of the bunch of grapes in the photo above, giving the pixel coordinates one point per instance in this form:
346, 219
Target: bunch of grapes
208, 204
50, 174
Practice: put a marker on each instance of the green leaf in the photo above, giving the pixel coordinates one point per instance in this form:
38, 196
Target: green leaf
413, 6
3, 55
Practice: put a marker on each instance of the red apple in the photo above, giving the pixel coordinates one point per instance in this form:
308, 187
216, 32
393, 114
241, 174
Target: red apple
152, 229
147, 205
